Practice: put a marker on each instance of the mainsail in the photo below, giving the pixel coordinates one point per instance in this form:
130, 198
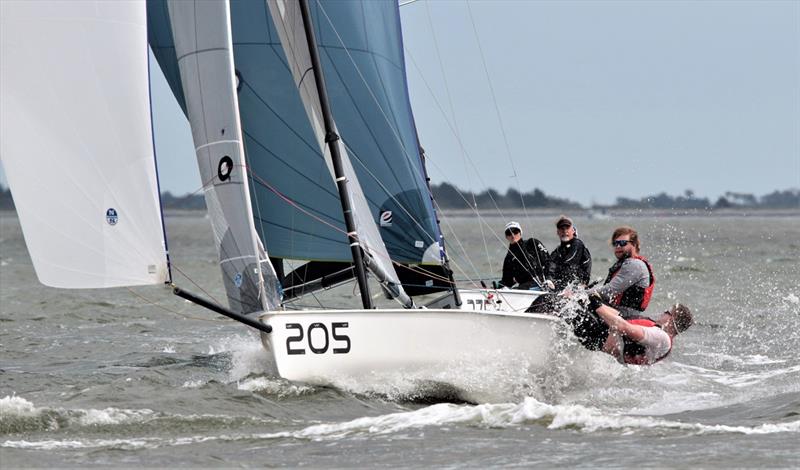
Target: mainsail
365, 75
292, 28
76, 141
202, 38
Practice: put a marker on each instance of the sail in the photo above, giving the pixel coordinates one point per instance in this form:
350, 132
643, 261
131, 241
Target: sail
296, 204
370, 105
76, 141
290, 26
202, 38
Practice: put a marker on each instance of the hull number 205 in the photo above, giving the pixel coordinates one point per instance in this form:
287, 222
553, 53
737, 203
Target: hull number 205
318, 339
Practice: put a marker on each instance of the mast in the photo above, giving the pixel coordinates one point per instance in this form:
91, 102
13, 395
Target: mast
331, 138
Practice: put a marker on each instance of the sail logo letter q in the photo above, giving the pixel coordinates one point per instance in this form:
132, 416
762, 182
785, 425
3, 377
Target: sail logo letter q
225, 168
111, 216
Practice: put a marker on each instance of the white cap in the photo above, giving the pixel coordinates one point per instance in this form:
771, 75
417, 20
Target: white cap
513, 224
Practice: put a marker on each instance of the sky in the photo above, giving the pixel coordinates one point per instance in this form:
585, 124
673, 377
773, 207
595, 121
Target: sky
587, 100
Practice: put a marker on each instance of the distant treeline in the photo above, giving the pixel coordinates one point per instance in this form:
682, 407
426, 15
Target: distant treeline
449, 197
788, 199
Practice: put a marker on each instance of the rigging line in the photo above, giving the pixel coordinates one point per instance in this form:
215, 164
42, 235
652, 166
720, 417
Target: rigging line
195, 283
366, 84
374, 177
497, 112
188, 317
463, 250
455, 123
458, 139
483, 221
418, 269
369, 89
360, 113
296, 206
388, 193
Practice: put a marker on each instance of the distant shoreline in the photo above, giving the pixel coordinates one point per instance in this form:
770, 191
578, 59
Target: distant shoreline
621, 213
578, 213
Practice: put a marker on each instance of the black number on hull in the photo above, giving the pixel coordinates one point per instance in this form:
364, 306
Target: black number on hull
478, 304
338, 336
294, 339
311, 345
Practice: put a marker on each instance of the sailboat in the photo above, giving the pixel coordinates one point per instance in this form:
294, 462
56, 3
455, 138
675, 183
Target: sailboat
306, 145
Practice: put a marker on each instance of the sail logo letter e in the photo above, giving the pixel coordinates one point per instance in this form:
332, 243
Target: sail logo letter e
386, 219
111, 216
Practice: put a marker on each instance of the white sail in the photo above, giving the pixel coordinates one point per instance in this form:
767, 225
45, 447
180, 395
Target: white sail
202, 34
289, 23
76, 141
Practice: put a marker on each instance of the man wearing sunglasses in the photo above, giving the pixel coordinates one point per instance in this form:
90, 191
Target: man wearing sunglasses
571, 260
630, 280
639, 341
525, 262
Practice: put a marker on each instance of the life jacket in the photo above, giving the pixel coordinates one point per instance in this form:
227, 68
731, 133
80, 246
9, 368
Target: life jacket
635, 297
635, 353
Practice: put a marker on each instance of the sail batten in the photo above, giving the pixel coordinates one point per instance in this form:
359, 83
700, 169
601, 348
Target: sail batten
78, 153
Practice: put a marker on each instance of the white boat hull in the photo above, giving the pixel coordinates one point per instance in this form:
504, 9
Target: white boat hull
329, 347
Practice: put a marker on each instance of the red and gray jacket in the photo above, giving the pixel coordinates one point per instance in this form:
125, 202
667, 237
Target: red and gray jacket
635, 297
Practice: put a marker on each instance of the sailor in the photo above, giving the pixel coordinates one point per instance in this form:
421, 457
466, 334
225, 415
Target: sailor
630, 281
571, 260
525, 263
640, 340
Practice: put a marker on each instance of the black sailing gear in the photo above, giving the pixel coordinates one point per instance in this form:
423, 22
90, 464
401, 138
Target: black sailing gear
570, 262
525, 264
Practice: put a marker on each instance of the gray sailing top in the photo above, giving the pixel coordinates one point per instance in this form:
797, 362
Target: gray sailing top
633, 272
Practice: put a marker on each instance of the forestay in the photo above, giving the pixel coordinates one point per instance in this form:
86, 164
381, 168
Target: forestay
289, 23
77, 142
202, 35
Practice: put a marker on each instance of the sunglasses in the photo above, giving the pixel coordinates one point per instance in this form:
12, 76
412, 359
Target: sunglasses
620, 243
511, 231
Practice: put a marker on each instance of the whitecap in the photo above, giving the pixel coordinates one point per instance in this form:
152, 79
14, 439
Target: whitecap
279, 387
530, 411
16, 406
193, 384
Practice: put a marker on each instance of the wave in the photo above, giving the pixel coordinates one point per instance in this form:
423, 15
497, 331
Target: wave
18, 415
529, 412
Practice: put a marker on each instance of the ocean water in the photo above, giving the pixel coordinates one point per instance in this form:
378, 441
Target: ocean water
128, 377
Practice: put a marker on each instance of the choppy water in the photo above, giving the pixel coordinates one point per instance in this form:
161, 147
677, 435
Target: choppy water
105, 378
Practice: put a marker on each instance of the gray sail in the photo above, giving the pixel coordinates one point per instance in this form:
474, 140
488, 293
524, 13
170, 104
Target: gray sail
202, 40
